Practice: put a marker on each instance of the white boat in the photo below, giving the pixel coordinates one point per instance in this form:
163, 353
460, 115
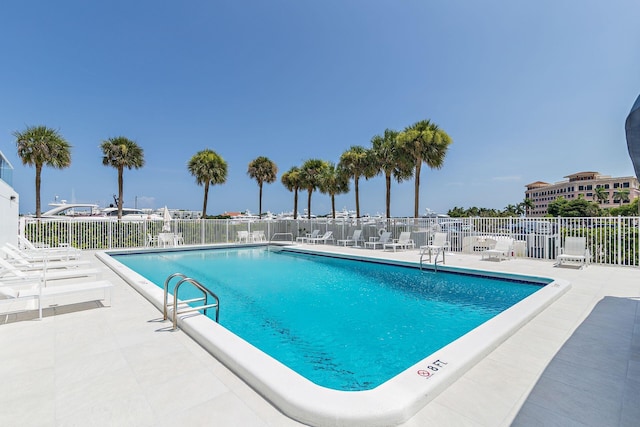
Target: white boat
64, 210
131, 214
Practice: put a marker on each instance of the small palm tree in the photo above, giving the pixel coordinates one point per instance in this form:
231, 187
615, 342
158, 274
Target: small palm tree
527, 205
621, 195
208, 168
356, 162
41, 146
262, 170
424, 142
310, 176
121, 153
600, 194
291, 180
333, 181
389, 159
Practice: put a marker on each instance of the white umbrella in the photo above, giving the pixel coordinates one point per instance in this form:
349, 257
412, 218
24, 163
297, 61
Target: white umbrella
166, 217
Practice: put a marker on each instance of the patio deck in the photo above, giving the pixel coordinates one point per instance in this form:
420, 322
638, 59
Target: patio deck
121, 366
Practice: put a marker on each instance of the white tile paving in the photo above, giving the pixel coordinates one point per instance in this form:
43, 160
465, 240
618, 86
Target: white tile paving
120, 366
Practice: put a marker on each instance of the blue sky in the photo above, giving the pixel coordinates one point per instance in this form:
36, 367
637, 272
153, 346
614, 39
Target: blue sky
528, 91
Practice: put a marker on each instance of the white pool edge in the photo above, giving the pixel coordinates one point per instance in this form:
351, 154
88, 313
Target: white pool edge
391, 403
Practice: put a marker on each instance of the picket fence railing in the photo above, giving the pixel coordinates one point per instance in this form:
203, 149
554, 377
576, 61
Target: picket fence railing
611, 240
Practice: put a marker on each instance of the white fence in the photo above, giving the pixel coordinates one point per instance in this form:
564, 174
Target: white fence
611, 240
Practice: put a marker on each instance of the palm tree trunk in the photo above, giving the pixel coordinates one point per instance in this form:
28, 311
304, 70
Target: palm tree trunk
416, 199
355, 183
260, 204
38, 180
206, 196
295, 203
333, 205
388, 182
120, 191
310, 190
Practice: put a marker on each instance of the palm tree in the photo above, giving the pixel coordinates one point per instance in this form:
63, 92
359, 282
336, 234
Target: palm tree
621, 195
291, 180
41, 146
333, 181
388, 158
310, 177
356, 162
527, 204
121, 152
424, 142
262, 170
208, 168
600, 194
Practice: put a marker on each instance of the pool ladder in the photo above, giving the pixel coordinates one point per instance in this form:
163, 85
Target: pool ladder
435, 262
181, 307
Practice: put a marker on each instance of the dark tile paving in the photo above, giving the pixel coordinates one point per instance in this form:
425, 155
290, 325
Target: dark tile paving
594, 380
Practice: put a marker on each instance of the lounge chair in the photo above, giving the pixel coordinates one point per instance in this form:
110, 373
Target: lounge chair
10, 272
438, 244
24, 264
353, 240
64, 253
306, 237
324, 238
575, 249
502, 250
35, 296
384, 238
26, 245
403, 241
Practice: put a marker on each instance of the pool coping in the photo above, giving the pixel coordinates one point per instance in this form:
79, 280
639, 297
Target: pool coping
394, 401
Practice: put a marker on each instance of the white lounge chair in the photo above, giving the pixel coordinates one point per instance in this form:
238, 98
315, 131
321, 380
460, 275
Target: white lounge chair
403, 241
324, 238
306, 237
384, 238
35, 296
26, 245
438, 244
10, 272
39, 255
353, 240
502, 250
575, 249
23, 264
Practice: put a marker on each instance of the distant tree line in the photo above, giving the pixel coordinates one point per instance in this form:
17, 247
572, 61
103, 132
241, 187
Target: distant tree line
560, 207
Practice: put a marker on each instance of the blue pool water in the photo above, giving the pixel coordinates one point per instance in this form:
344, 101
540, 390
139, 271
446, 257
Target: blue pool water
343, 324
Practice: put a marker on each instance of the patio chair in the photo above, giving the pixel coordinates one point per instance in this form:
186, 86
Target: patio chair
166, 239
324, 238
384, 238
306, 237
575, 249
258, 236
243, 236
152, 240
438, 244
502, 250
353, 240
403, 241
35, 296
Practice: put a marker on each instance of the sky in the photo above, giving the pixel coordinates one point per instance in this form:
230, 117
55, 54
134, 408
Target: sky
528, 91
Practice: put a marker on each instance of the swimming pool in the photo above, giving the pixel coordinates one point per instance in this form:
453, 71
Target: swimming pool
400, 316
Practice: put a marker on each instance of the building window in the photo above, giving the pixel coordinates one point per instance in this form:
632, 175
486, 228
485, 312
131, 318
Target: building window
606, 186
589, 187
625, 185
616, 185
580, 187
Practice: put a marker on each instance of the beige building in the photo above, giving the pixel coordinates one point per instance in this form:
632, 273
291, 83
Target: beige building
581, 183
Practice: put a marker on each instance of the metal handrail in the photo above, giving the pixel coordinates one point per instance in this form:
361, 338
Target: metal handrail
281, 234
205, 297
